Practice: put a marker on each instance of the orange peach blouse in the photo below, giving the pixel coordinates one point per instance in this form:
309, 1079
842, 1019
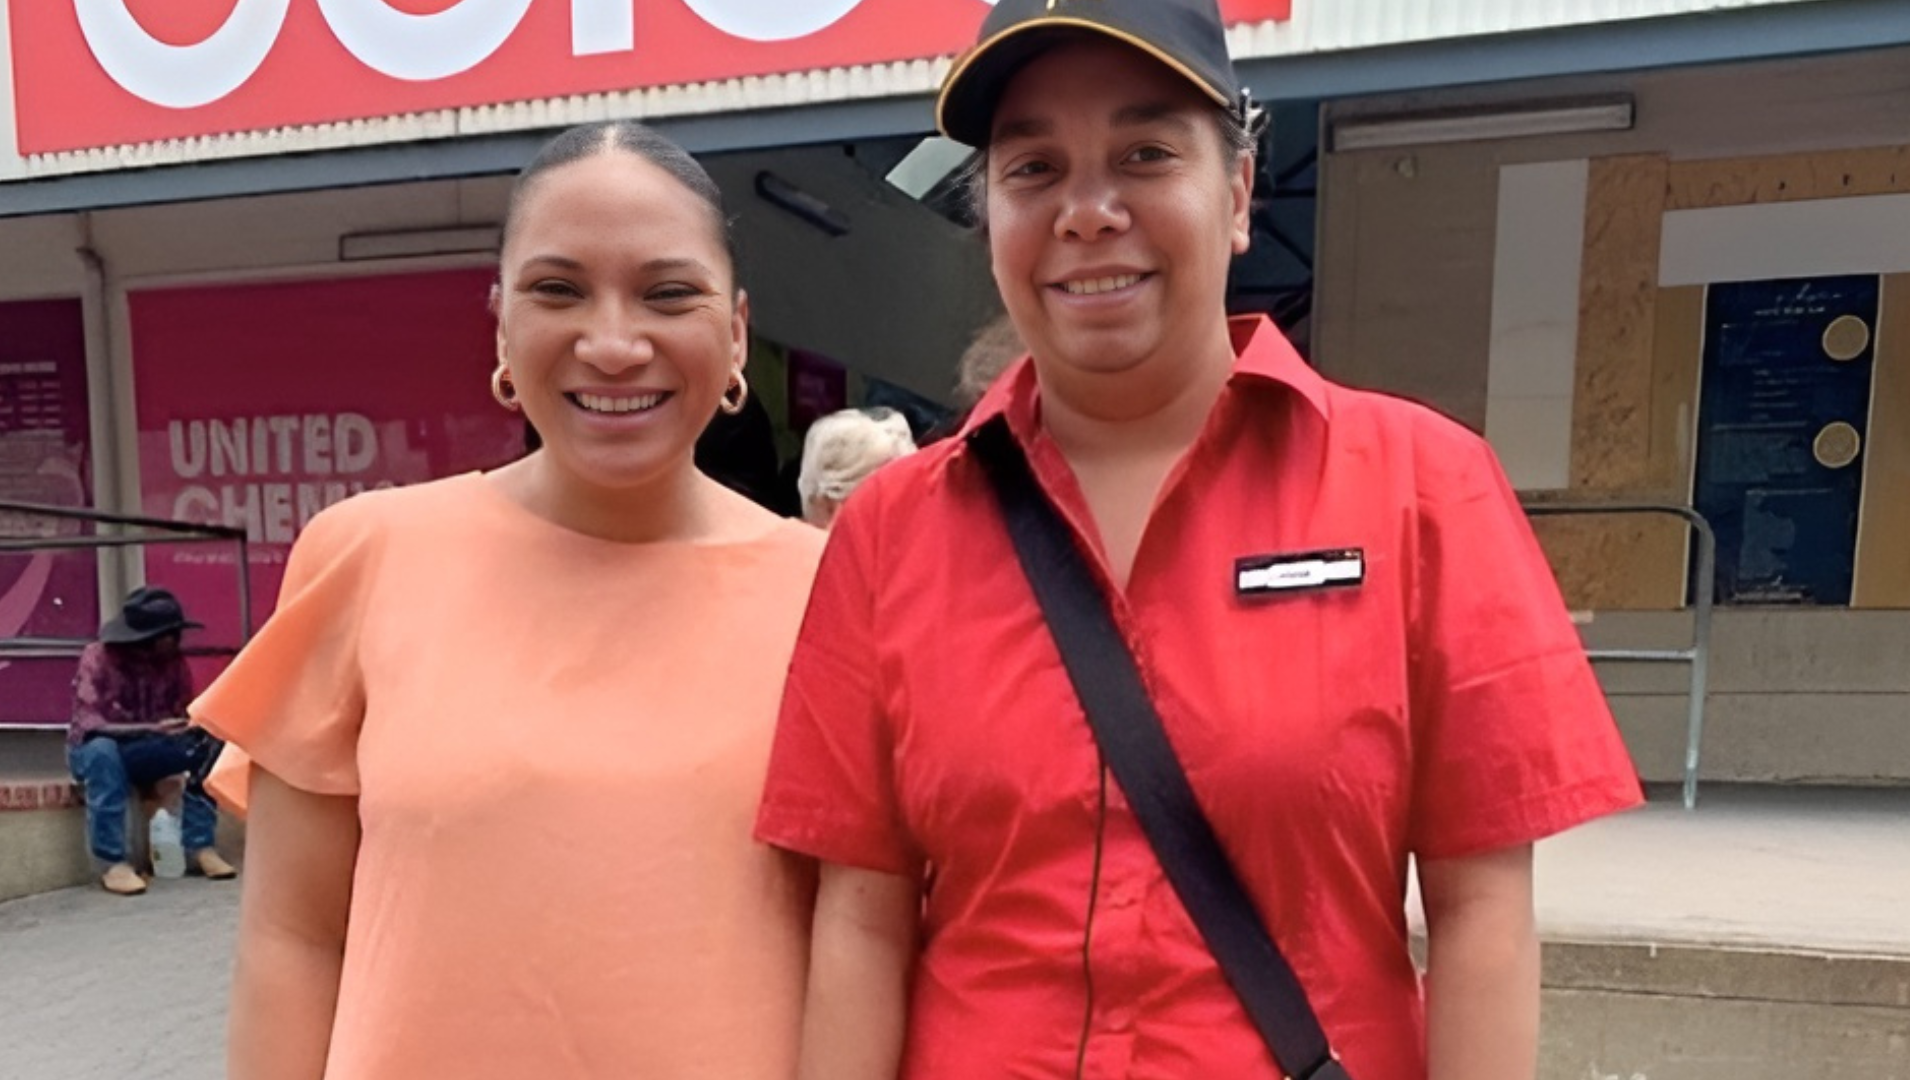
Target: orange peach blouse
557, 744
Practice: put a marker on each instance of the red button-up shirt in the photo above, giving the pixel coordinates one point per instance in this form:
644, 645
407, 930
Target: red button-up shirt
1440, 707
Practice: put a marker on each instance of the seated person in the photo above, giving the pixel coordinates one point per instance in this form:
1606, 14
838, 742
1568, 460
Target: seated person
129, 730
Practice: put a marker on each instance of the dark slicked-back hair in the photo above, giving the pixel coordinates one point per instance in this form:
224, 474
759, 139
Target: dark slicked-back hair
628, 137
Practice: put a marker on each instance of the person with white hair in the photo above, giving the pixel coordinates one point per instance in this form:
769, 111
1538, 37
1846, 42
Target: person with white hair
842, 450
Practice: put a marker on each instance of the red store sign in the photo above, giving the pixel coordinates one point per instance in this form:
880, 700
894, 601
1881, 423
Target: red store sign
91, 73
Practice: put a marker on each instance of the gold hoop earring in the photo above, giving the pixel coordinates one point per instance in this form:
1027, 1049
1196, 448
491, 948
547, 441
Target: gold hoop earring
735, 395
503, 389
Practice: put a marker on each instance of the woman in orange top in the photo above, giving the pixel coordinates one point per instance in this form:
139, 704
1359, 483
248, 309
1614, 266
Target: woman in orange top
508, 729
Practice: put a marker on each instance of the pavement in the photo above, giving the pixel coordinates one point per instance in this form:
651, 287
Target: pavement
98, 987
101, 987
1817, 870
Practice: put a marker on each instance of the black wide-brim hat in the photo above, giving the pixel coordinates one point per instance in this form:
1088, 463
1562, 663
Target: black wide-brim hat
1186, 35
147, 613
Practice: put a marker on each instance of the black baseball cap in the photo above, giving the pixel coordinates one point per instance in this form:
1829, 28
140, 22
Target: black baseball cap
1186, 35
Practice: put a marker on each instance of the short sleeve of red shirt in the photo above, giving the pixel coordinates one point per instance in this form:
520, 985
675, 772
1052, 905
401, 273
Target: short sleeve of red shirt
831, 793
1512, 737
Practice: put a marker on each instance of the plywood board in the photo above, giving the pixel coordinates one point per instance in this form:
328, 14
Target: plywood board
1615, 562
1677, 356
1883, 528
1788, 178
1647, 555
1611, 407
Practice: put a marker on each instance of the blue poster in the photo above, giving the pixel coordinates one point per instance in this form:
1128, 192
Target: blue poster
1782, 417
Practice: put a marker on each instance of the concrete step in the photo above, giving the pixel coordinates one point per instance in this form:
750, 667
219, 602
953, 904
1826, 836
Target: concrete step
1649, 1012
42, 836
1764, 935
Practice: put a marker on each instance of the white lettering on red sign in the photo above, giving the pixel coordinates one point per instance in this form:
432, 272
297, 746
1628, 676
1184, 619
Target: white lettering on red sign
771, 20
181, 76
602, 26
420, 48
417, 48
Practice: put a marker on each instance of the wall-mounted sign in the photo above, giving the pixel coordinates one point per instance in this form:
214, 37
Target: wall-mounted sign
260, 405
43, 459
91, 73
1781, 417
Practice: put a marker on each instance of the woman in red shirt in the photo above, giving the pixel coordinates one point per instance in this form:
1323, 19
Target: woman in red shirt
988, 904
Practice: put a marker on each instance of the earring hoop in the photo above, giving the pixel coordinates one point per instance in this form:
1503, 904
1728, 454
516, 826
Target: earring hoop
503, 389
735, 395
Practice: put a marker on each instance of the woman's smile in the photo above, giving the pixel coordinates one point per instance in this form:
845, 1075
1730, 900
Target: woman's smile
1101, 291
618, 403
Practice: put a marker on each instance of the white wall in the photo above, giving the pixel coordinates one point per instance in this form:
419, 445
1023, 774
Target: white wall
1531, 368
1770, 241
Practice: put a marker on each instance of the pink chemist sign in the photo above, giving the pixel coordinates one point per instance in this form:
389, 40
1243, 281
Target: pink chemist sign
261, 404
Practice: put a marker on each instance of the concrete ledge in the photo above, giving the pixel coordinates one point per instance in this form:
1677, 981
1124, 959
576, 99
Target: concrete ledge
1775, 977
45, 850
1641, 1012
1797, 695
1764, 650
1762, 937
1851, 739
43, 837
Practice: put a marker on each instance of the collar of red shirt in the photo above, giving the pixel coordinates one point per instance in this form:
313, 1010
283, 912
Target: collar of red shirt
1262, 354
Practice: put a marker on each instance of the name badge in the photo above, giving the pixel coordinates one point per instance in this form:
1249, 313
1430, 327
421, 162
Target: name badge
1259, 575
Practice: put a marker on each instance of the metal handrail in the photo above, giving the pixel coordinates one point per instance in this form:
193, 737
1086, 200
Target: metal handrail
1698, 655
150, 531
26, 647
169, 532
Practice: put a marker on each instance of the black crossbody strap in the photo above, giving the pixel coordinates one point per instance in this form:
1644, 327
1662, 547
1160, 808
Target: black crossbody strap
1136, 748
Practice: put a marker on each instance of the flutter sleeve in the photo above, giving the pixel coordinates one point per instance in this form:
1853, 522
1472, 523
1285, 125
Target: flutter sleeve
294, 699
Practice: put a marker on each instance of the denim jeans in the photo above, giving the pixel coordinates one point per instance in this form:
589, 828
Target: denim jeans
110, 769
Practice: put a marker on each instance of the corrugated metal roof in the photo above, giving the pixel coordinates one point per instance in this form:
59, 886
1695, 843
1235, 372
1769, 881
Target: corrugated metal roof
1316, 27
1340, 25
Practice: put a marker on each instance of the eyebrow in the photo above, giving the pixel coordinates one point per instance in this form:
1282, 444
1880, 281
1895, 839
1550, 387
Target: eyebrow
1021, 129
558, 261
1153, 112
665, 266
653, 266
1148, 112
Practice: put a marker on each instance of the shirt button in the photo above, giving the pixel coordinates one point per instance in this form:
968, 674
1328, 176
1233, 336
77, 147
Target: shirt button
1117, 1017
